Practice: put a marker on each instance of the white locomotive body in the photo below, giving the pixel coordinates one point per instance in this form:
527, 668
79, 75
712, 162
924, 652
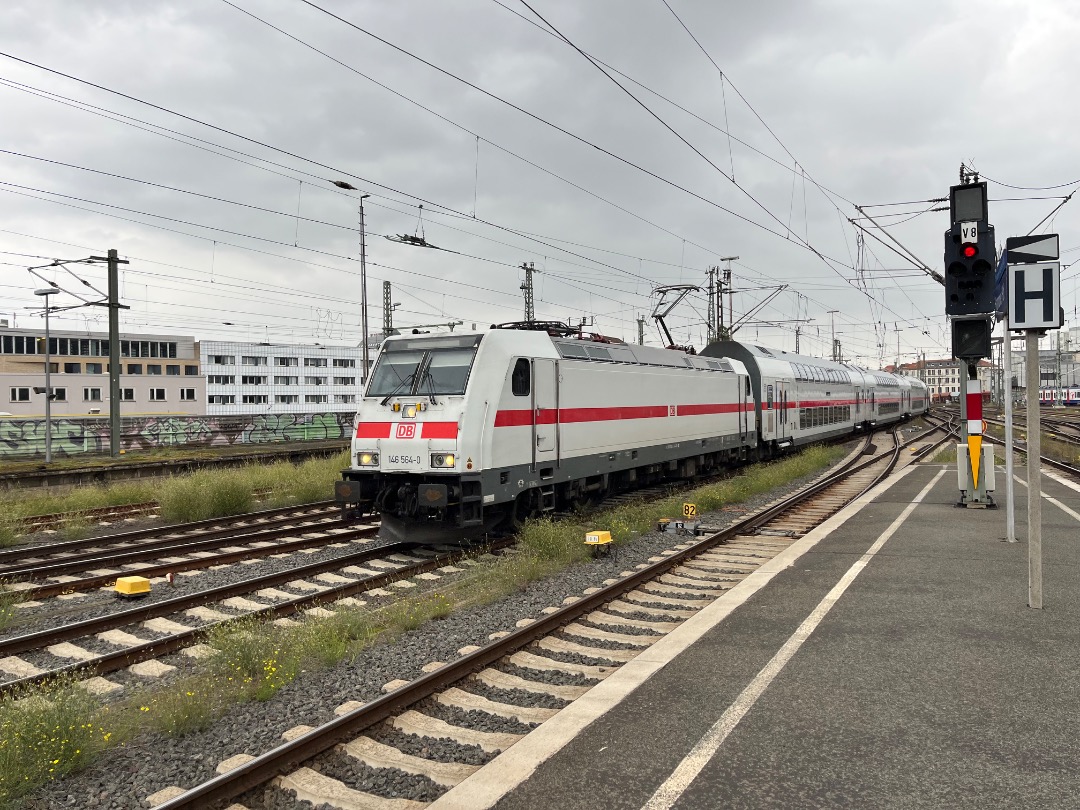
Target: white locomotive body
474, 430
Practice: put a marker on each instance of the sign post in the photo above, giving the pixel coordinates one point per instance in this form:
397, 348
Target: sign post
1034, 300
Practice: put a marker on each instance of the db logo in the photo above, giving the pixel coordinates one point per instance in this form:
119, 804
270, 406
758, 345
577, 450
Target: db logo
406, 431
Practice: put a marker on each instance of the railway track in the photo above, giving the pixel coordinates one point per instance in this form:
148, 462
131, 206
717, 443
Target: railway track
170, 621
159, 552
523, 677
1021, 447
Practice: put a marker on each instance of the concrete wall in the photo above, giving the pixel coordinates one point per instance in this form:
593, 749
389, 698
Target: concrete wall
22, 438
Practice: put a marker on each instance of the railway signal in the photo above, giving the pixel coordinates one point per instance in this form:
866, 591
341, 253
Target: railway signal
969, 253
970, 292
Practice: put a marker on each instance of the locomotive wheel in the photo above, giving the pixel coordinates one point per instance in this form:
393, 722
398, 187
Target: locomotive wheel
525, 506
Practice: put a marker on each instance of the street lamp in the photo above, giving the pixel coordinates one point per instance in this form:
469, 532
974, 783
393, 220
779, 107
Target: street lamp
363, 273
45, 293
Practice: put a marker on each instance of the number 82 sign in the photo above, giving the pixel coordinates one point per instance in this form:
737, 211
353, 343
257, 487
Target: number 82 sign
689, 510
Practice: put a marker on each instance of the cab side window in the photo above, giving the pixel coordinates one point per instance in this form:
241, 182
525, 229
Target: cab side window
520, 379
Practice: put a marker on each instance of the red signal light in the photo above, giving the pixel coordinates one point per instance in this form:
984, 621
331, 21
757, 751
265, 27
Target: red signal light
969, 251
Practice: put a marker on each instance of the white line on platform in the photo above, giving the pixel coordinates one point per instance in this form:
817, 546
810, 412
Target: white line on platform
504, 773
687, 771
1071, 513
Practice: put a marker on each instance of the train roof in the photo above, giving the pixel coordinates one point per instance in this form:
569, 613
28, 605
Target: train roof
571, 347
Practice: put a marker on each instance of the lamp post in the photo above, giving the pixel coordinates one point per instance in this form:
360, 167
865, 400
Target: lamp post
363, 287
363, 272
45, 293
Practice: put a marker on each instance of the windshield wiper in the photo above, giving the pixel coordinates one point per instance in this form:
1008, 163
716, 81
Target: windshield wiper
398, 387
430, 384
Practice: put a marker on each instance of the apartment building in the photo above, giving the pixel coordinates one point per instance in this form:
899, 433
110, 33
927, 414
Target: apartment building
280, 377
159, 374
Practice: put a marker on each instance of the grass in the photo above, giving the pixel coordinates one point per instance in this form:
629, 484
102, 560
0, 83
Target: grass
193, 496
57, 729
44, 734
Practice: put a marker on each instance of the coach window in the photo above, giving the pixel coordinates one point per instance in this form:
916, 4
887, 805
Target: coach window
519, 381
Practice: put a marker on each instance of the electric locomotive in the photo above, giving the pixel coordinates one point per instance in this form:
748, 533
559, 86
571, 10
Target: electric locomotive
477, 431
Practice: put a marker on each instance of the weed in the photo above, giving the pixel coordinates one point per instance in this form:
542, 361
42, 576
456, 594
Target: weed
409, 614
9, 604
46, 732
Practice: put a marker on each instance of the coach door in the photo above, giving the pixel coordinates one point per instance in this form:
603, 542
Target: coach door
781, 407
545, 411
744, 394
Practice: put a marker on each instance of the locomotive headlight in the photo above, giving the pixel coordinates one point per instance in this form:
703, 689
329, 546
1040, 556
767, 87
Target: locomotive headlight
408, 412
443, 460
367, 458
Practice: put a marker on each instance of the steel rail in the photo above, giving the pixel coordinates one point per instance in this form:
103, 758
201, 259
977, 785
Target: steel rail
223, 558
111, 662
173, 545
289, 755
86, 627
137, 534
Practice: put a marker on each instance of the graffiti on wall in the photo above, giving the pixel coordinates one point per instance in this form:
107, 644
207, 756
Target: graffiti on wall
23, 438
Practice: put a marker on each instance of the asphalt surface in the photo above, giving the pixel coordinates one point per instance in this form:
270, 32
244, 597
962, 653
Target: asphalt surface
930, 682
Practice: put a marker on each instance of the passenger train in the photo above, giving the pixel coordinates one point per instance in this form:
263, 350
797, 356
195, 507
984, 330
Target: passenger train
479, 431
1059, 396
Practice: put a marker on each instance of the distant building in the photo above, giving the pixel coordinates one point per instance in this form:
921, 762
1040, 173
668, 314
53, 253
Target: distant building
943, 378
280, 377
159, 374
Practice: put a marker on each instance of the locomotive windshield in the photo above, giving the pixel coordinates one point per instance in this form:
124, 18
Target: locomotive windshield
410, 369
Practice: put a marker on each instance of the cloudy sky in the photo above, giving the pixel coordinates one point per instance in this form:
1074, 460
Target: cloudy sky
200, 139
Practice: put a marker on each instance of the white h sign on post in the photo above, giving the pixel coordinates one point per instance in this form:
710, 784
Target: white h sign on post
1034, 296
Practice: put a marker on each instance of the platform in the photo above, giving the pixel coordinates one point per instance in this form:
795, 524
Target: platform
890, 662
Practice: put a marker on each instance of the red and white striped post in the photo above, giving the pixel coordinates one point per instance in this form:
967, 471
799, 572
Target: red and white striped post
973, 394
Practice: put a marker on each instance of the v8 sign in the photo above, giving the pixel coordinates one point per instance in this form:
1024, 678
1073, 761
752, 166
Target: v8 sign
405, 430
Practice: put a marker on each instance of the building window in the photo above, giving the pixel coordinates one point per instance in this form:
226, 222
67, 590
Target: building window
172, 371
157, 394
20, 394
252, 360
286, 399
92, 394
19, 344
344, 398
317, 362
221, 399
252, 379
286, 361
191, 371
344, 380
315, 380
286, 380
73, 368
134, 368
127, 394
255, 399
59, 394
344, 363
187, 394
222, 359
93, 368
154, 368
221, 379
315, 398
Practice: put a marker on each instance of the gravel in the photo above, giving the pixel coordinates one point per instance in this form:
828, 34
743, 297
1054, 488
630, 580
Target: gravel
387, 782
480, 721
515, 697
441, 749
127, 775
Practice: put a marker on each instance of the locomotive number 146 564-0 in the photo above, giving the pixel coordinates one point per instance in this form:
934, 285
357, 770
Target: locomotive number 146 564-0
403, 461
